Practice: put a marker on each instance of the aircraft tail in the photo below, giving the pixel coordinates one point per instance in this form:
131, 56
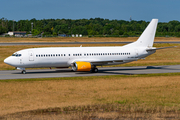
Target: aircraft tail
147, 37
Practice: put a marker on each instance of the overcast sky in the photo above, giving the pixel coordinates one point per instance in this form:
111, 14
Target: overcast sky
164, 10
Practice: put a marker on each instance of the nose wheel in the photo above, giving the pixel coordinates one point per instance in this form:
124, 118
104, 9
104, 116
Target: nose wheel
23, 72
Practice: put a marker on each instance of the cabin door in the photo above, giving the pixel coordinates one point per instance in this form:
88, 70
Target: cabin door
136, 53
31, 56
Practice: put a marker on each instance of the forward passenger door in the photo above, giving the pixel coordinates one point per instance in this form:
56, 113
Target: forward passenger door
31, 56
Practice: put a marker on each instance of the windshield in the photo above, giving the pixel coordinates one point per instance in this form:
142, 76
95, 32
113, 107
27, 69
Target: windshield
14, 54
17, 55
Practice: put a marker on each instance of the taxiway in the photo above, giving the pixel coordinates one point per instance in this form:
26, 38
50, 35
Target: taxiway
51, 73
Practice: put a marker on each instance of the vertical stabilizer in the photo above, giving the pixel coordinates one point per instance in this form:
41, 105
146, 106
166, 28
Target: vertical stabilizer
147, 37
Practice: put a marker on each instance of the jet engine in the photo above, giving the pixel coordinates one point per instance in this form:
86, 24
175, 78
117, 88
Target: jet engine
82, 66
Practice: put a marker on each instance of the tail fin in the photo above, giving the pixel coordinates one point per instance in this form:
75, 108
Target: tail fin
147, 37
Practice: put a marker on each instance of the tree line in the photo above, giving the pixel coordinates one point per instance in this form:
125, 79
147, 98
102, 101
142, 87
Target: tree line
88, 27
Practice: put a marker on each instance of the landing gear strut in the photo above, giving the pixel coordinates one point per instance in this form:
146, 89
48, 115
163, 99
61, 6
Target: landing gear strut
23, 71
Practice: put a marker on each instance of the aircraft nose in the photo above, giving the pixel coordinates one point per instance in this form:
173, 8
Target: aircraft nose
7, 60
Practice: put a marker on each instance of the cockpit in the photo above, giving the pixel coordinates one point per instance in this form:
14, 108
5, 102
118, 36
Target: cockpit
16, 54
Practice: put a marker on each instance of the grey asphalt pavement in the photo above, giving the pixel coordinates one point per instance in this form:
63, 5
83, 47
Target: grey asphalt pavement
51, 73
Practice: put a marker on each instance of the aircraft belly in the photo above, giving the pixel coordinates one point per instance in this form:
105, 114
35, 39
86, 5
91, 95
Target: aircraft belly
46, 63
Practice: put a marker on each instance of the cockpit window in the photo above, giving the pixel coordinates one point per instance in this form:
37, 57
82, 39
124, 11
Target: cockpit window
17, 55
13, 54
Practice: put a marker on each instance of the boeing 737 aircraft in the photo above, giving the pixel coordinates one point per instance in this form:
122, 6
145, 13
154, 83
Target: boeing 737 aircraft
85, 58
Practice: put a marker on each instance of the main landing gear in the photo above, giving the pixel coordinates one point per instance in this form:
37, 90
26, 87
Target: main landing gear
95, 70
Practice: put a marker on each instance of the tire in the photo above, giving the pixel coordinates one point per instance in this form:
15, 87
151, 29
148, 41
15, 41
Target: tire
95, 70
23, 72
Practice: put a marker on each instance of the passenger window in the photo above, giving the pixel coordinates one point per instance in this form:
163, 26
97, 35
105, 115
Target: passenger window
64, 54
69, 55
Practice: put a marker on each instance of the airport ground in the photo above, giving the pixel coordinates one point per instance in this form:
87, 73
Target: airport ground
151, 96
81, 39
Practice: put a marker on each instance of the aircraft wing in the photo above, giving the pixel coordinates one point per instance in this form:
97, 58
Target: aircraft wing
100, 62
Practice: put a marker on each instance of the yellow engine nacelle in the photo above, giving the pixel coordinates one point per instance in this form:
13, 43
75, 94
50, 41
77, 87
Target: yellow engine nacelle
82, 66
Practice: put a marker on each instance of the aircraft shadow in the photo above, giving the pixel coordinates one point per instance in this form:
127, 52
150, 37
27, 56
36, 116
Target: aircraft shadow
44, 71
101, 70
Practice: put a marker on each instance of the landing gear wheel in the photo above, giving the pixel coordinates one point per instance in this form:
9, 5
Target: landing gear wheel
95, 70
23, 72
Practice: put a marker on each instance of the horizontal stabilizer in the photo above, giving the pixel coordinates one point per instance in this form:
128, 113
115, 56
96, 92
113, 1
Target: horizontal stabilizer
153, 48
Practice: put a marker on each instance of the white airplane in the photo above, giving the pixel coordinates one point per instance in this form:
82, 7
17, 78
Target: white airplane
85, 58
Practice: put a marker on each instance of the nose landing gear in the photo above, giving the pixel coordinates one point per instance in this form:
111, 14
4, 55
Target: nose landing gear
23, 70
